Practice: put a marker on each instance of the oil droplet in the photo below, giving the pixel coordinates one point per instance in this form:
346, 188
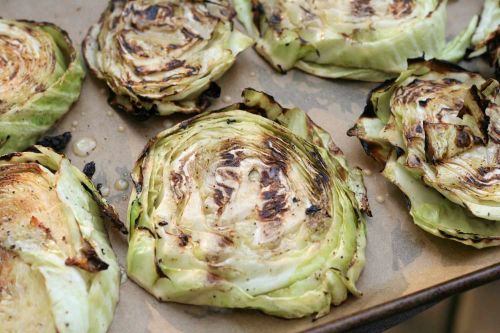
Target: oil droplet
121, 184
84, 146
227, 99
367, 172
253, 74
74, 124
121, 129
83, 113
105, 191
380, 198
168, 123
109, 113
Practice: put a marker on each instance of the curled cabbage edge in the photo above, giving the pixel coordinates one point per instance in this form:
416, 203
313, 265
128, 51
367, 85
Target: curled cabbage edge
41, 76
486, 38
351, 39
252, 206
58, 272
162, 57
436, 128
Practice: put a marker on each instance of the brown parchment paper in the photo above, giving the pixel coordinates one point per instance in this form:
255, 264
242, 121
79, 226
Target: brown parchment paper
401, 258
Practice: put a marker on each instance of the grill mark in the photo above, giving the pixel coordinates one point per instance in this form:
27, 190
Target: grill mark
171, 65
273, 207
361, 8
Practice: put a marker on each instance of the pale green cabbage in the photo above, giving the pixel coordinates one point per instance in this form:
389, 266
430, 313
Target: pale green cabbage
58, 272
486, 38
162, 57
41, 76
252, 206
351, 39
436, 128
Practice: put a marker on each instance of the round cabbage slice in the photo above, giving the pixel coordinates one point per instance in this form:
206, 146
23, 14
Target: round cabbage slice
486, 39
41, 76
437, 130
58, 272
368, 40
252, 206
162, 57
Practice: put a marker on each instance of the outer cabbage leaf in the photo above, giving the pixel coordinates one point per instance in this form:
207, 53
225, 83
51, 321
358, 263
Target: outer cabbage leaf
439, 216
162, 57
41, 77
252, 206
58, 272
352, 39
486, 39
443, 122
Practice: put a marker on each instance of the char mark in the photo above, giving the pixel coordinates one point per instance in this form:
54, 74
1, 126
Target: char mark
361, 8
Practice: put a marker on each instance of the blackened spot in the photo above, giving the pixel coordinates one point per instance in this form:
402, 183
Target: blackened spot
273, 207
230, 121
312, 209
275, 19
218, 197
183, 240
176, 63
268, 194
463, 138
56, 142
151, 12
89, 169
423, 103
162, 223
361, 8
208, 95
419, 129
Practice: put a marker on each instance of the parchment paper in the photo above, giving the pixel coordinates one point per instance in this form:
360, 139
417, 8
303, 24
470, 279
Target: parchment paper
401, 258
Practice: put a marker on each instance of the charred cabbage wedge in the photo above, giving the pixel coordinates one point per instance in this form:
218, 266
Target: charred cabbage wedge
58, 272
162, 57
437, 130
252, 206
486, 39
368, 40
41, 76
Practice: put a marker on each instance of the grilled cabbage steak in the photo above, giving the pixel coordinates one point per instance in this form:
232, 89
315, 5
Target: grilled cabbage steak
368, 40
252, 206
58, 272
162, 57
41, 76
486, 39
437, 130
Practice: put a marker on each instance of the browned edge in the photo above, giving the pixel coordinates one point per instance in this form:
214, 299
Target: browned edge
411, 301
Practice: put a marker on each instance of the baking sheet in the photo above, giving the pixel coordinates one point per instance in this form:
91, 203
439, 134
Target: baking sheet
403, 261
